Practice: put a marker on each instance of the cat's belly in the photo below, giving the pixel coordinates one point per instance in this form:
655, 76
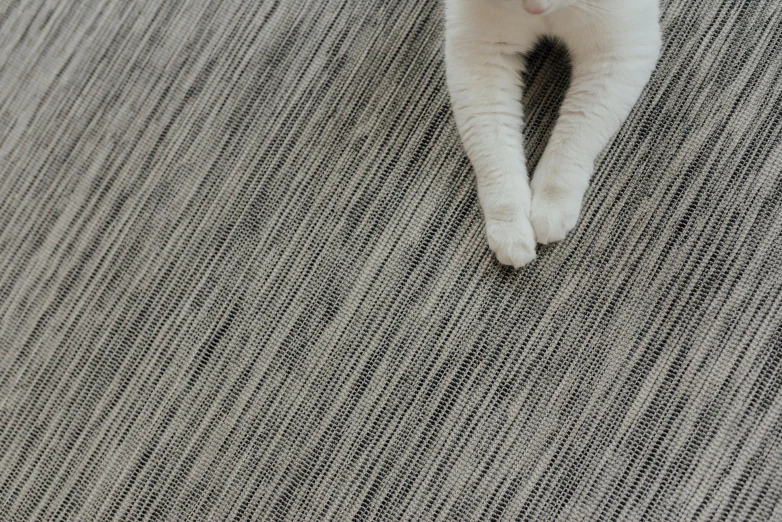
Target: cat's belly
501, 22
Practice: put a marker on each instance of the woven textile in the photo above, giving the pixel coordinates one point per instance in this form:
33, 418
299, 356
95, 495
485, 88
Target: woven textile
243, 276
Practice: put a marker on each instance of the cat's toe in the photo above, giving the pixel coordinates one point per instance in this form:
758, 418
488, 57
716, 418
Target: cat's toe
553, 216
513, 242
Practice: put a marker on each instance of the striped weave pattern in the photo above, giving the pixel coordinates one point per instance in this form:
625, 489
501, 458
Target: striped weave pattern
243, 276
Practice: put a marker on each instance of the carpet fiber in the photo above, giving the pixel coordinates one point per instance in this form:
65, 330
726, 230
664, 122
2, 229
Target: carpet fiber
243, 276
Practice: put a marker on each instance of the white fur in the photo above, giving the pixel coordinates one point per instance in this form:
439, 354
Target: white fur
614, 45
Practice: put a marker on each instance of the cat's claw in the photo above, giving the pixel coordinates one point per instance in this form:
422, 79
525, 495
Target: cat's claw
554, 215
513, 242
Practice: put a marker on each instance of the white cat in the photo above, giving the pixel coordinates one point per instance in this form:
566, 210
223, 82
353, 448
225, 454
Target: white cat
614, 46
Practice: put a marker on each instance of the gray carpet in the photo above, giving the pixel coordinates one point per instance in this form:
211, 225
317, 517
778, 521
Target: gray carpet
243, 276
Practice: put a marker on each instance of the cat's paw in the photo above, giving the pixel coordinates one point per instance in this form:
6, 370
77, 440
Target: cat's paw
554, 214
513, 242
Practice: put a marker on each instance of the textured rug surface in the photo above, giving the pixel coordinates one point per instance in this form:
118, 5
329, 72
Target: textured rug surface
243, 276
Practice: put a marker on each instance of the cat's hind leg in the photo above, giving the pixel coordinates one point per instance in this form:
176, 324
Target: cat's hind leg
606, 84
485, 87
